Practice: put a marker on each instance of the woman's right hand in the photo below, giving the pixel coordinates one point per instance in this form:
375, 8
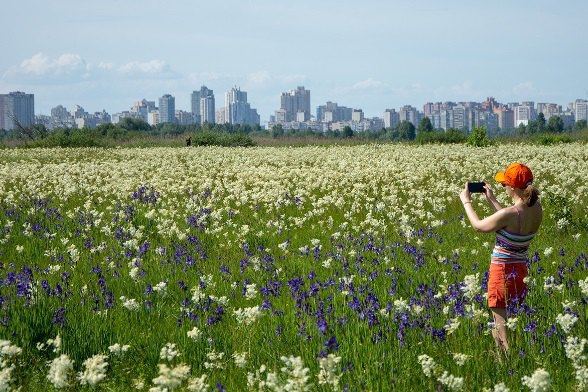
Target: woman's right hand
488, 193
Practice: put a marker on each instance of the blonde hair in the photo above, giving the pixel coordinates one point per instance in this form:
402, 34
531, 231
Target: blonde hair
530, 195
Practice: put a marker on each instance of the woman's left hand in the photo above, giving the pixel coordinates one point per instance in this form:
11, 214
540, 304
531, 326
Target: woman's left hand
465, 195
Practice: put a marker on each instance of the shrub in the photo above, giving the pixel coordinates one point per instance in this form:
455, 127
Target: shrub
479, 138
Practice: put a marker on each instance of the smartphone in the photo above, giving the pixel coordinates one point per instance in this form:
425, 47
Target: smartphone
476, 187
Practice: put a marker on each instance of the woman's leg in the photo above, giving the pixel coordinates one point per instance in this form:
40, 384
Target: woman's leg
499, 331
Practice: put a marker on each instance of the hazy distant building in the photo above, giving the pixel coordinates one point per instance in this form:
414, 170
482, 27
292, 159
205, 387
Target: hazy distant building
548, 109
167, 109
505, 118
488, 120
152, 118
207, 110
523, 114
238, 110
331, 112
195, 106
581, 110
17, 108
391, 118
184, 118
141, 109
294, 102
357, 115
410, 114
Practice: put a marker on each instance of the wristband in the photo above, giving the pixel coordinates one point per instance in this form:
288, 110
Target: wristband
467, 202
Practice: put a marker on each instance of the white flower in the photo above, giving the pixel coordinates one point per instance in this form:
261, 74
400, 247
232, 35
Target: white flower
56, 343
117, 349
327, 263
161, 288
328, 371
95, 370
216, 360
460, 359
19, 248
194, 334
581, 377
6, 377
452, 326
452, 382
566, 321
401, 305
296, 373
240, 359
540, 381
170, 378
168, 352
471, 286
251, 291
198, 384
511, 323
430, 368
549, 285
247, 316
139, 383
575, 349
7, 349
500, 387
548, 251
60, 370
583, 286
129, 303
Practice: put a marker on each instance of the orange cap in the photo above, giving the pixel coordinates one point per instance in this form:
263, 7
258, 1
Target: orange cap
516, 175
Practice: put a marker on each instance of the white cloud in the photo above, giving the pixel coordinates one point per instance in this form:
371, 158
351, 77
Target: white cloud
149, 67
368, 84
524, 89
106, 66
264, 78
40, 65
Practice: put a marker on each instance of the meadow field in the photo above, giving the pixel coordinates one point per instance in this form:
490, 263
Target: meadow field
282, 269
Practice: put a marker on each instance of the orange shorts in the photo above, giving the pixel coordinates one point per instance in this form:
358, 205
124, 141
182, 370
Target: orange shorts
505, 284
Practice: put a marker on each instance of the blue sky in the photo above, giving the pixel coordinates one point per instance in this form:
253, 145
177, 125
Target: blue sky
372, 54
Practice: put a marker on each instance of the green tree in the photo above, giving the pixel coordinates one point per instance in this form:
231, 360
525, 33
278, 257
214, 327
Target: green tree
540, 123
406, 130
134, 124
579, 125
425, 126
555, 124
277, 131
479, 138
347, 132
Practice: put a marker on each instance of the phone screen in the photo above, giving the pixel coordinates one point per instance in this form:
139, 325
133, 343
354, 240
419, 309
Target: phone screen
476, 187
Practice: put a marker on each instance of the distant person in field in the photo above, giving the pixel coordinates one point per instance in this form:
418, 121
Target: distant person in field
189, 141
515, 227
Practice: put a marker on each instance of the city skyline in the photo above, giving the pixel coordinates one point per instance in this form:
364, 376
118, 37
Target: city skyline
373, 56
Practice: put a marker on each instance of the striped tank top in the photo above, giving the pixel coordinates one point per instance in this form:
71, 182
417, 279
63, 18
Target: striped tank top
511, 247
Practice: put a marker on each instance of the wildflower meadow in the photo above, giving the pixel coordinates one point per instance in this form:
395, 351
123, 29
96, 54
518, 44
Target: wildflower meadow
282, 269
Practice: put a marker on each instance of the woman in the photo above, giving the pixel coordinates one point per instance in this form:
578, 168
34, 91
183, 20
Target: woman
515, 227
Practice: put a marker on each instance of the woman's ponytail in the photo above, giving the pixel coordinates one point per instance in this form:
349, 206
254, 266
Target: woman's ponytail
530, 195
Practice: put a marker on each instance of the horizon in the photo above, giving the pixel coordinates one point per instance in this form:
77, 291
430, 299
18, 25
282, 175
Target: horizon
105, 60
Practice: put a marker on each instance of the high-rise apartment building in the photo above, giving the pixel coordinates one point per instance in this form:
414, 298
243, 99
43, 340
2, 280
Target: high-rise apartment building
410, 114
548, 109
332, 112
391, 118
238, 110
524, 113
167, 109
207, 110
581, 110
294, 102
17, 108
